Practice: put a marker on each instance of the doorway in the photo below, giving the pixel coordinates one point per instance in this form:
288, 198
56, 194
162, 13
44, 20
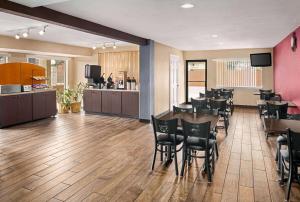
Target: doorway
196, 78
174, 66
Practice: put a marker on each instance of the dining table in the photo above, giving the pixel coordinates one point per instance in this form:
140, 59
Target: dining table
280, 126
192, 118
264, 102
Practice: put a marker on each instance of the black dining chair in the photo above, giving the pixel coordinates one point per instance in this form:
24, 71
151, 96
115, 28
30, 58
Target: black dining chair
197, 138
199, 104
228, 95
290, 160
277, 97
182, 110
202, 95
276, 110
282, 140
165, 136
216, 92
221, 106
209, 94
266, 95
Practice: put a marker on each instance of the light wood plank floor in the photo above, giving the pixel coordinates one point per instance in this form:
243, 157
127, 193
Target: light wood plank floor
79, 157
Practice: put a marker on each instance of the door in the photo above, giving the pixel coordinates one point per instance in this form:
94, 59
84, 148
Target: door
174, 66
196, 78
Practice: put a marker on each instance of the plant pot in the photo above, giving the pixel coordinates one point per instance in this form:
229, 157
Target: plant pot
75, 107
63, 109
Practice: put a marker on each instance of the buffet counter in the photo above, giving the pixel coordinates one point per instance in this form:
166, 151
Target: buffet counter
112, 101
24, 107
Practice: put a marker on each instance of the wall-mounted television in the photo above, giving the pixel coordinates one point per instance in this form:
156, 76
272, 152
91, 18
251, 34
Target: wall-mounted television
261, 60
92, 71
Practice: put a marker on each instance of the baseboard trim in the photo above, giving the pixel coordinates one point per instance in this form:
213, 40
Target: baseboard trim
144, 120
246, 106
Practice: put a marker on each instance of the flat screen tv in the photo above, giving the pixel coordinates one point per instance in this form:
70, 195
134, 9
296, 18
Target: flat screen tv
261, 60
92, 71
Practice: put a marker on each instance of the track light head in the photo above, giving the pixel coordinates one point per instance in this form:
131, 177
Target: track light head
94, 47
17, 36
114, 47
42, 32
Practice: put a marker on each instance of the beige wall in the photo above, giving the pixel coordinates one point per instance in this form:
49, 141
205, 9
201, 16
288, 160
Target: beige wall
162, 77
243, 96
10, 44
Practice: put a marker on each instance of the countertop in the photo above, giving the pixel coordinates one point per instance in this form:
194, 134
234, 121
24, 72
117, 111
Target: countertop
30, 92
113, 90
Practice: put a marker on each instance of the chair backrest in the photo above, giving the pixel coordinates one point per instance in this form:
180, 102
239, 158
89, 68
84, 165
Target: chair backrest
202, 95
221, 105
293, 145
278, 111
208, 111
226, 94
209, 94
266, 95
216, 92
276, 98
182, 110
200, 130
164, 126
199, 104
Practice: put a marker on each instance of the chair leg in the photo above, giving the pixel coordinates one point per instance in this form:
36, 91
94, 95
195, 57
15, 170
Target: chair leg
175, 158
161, 153
213, 161
281, 172
154, 158
207, 165
183, 161
289, 184
278, 154
217, 151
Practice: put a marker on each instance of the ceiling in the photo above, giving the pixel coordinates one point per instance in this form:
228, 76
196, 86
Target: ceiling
12, 25
238, 23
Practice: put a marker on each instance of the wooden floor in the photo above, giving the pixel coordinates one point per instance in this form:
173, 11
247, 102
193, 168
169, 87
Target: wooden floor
79, 157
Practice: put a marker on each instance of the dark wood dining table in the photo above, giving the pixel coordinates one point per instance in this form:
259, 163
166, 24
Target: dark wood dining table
264, 102
280, 126
192, 117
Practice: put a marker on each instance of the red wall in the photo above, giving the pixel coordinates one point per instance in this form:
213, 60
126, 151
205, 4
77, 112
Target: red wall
287, 70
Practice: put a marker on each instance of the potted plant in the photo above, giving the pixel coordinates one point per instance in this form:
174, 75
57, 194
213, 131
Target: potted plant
77, 94
64, 100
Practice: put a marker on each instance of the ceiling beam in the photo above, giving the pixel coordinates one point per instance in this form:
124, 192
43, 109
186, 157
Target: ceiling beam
54, 17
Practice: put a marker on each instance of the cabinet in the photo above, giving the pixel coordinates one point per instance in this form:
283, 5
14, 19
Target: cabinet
130, 104
44, 105
9, 110
96, 101
115, 102
25, 107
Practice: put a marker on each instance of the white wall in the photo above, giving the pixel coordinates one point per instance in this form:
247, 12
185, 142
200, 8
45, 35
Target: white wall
242, 96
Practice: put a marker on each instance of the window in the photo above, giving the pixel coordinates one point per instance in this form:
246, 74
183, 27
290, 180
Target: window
238, 73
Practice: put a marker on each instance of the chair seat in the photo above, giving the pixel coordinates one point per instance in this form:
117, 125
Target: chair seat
282, 139
198, 143
169, 139
285, 155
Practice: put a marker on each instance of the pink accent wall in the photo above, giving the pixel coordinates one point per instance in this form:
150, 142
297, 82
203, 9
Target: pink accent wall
287, 70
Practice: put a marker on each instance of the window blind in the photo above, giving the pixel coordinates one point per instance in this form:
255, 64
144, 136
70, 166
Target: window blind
238, 73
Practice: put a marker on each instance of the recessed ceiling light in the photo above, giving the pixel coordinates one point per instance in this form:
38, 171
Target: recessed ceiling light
214, 36
187, 5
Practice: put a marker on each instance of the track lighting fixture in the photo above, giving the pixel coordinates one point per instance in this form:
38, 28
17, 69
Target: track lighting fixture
94, 47
114, 47
42, 32
25, 34
17, 36
103, 47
